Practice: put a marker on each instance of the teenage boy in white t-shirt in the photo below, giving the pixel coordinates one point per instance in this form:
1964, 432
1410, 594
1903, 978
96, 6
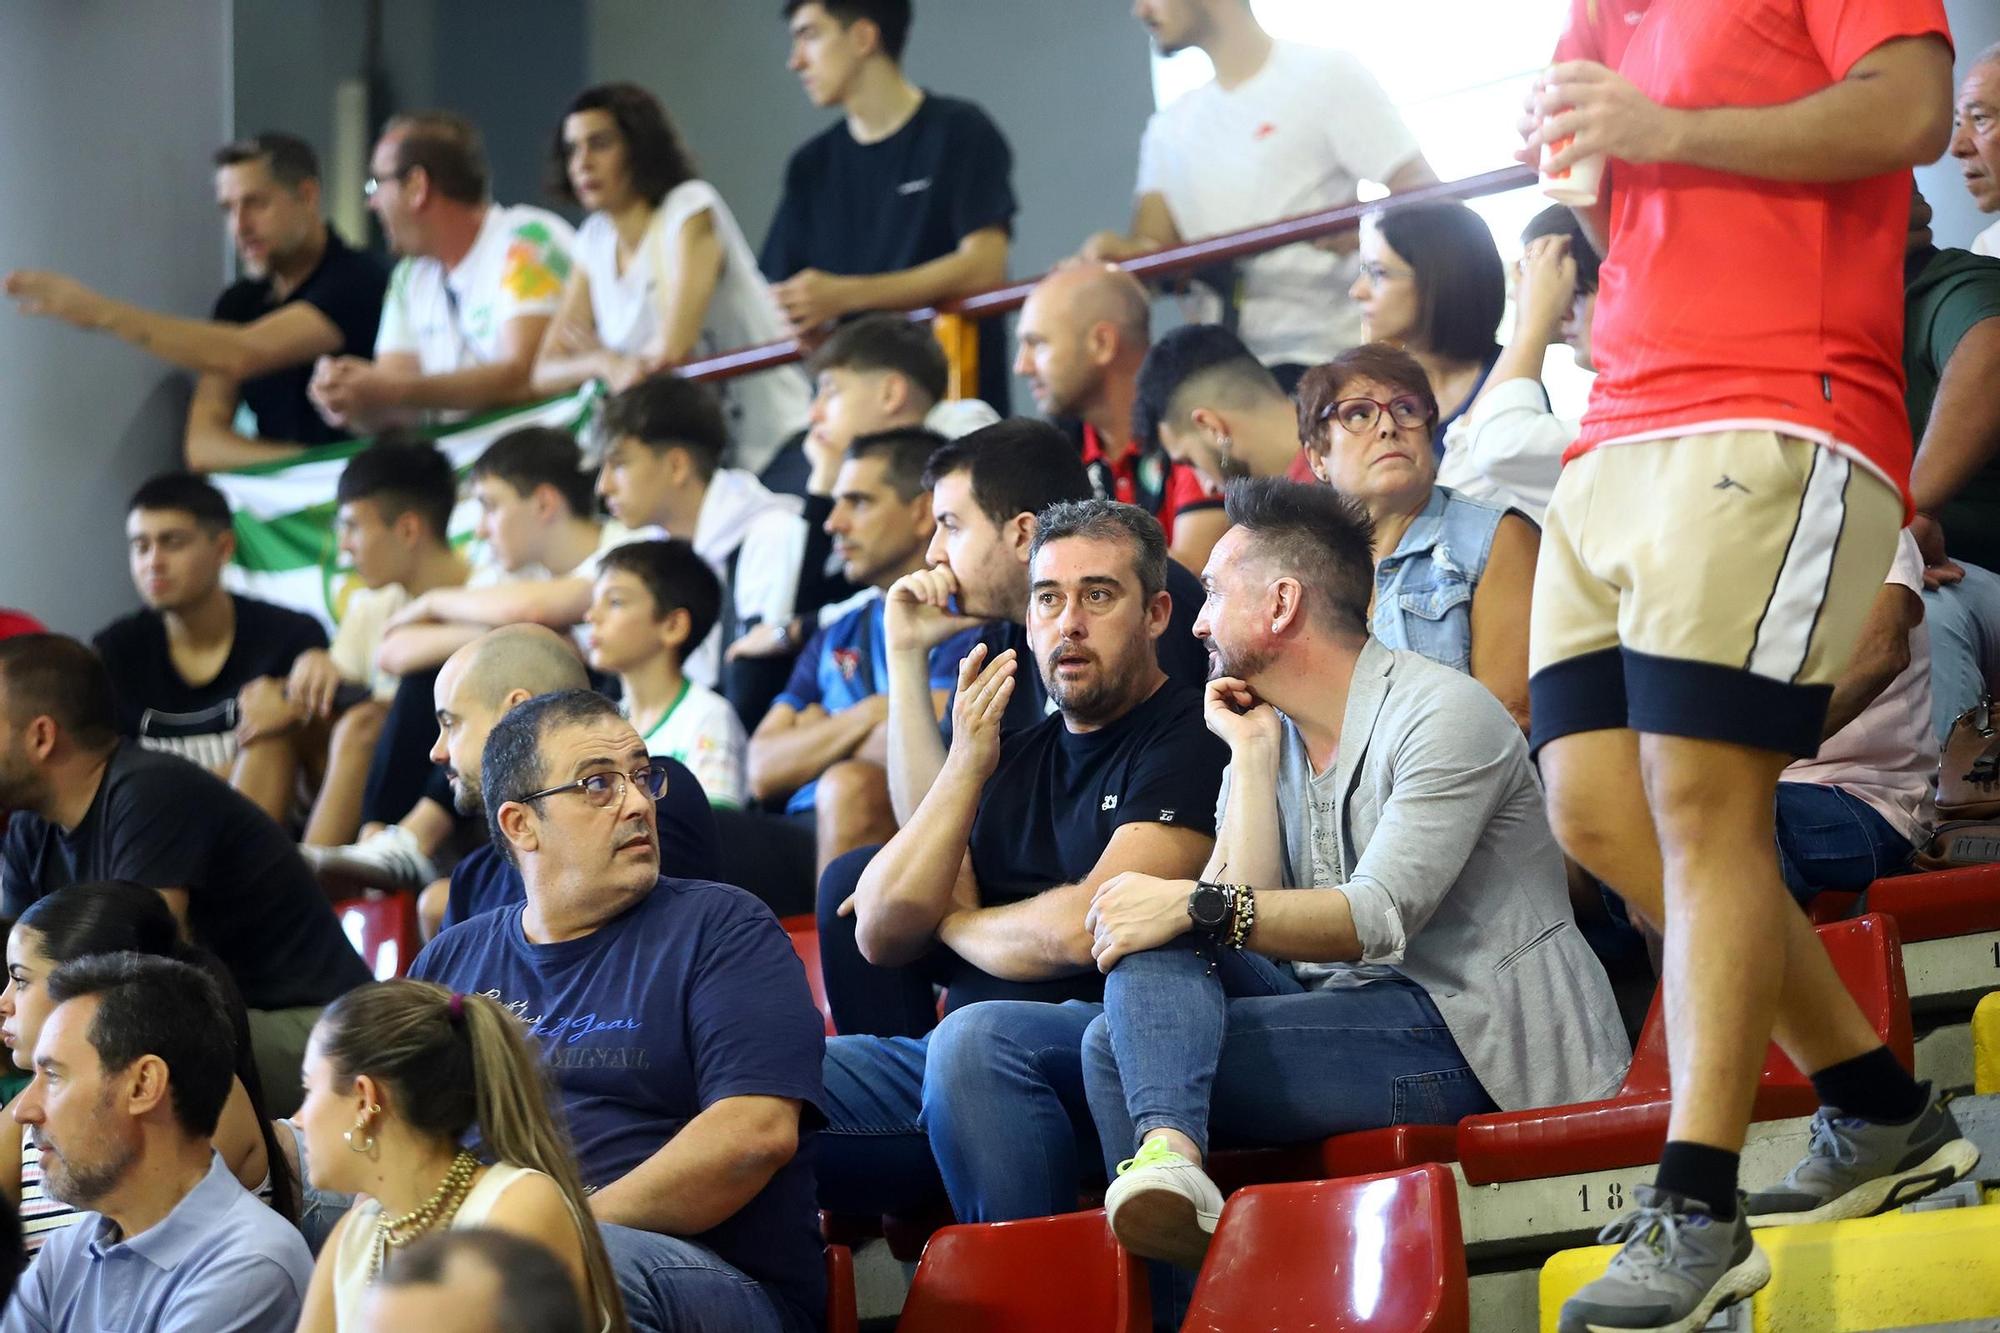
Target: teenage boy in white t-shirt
1282, 129
653, 600
538, 518
469, 302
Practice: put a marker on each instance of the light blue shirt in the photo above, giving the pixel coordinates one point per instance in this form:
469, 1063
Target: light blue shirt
220, 1262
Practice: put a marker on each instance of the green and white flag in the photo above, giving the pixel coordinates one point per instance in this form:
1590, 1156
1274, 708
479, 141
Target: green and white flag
285, 551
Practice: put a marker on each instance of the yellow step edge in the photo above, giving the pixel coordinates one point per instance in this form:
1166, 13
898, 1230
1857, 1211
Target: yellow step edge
1889, 1272
1986, 1045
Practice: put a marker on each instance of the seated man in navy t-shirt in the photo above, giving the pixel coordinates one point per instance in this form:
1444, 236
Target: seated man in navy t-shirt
824, 741
475, 688
985, 889
675, 1020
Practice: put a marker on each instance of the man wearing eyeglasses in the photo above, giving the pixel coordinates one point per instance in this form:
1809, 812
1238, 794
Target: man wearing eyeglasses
674, 1019
468, 304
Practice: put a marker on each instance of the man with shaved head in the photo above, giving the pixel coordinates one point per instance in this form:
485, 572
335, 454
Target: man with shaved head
1082, 337
477, 686
1975, 141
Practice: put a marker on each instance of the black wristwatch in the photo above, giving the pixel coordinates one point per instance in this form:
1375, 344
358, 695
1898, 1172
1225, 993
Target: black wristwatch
1211, 907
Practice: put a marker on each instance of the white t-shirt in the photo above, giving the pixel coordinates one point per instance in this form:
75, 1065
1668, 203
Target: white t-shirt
1887, 755
1988, 242
701, 730
516, 267
362, 623
738, 514
1508, 449
1293, 138
764, 409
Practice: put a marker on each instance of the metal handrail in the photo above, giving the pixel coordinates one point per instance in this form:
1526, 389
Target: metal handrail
1174, 261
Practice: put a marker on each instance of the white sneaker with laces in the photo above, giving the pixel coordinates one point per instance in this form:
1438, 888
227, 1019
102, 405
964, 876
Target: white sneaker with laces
1162, 1206
389, 858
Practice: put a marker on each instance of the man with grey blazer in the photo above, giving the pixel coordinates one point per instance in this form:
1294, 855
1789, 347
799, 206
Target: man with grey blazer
1381, 829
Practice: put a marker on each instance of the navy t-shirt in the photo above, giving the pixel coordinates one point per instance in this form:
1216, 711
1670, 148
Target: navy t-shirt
850, 207
347, 288
484, 879
691, 996
1057, 796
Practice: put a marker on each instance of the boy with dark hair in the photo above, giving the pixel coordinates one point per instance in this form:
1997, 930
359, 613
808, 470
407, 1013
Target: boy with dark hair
906, 203
538, 519
663, 467
652, 602
217, 678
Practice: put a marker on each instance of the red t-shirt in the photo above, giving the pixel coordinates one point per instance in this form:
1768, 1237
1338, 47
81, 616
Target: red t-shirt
1149, 479
1301, 469
1728, 301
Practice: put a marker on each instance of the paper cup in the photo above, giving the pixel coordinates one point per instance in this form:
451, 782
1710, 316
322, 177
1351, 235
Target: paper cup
1576, 184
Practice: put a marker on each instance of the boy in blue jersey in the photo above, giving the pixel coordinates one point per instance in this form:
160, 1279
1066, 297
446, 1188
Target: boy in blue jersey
822, 745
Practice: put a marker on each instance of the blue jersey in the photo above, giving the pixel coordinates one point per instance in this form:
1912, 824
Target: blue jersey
848, 661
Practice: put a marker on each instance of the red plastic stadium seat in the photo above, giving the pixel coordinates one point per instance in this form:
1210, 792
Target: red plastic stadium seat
841, 1314
1932, 905
1023, 1277
1362, 1153
804, 931
382, 927
1630, 1128
1347, 1256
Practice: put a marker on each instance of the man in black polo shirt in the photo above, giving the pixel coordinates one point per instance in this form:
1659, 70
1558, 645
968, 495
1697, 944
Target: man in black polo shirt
304, 294
985, 888
908, 202
87, 806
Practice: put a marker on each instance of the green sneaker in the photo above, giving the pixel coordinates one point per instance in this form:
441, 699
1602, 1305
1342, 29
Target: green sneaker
1162, 1206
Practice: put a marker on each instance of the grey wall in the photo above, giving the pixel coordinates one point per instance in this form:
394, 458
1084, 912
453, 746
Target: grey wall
111, 112
1975, 25
1068, 81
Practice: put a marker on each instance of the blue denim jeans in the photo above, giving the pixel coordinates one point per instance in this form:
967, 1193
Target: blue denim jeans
1828, 839
1964, 621
672, 1285
1248, 1055
987, 1111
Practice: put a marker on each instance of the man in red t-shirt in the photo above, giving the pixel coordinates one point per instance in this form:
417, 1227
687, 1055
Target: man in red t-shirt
1721, 525
1081, 339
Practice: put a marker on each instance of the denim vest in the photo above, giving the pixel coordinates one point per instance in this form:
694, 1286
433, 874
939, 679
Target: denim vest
1423, 589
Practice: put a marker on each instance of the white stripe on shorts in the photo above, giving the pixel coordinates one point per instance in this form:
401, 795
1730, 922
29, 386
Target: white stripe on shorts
1784, 635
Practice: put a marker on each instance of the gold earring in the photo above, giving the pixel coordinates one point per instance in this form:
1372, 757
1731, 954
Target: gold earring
359, 1140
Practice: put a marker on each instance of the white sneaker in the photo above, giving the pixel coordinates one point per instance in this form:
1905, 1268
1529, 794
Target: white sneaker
1162, 1206
387, 859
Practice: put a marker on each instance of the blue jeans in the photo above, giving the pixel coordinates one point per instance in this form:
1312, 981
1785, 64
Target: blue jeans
1964, 620
1251, 1056
988, 1111
1828, 839
672, 1285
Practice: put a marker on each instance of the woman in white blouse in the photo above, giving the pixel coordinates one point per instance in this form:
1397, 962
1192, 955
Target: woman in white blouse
663, 274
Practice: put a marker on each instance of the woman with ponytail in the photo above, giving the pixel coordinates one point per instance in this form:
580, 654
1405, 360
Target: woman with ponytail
397, 1075
115, 916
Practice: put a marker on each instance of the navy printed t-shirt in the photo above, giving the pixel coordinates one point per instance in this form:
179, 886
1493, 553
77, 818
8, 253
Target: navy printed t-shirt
690, 996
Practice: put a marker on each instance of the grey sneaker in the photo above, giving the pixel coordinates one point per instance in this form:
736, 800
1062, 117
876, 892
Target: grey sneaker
1679, 1266
1856, 1168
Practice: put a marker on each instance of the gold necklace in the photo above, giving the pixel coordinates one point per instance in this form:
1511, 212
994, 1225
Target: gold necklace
396, 1232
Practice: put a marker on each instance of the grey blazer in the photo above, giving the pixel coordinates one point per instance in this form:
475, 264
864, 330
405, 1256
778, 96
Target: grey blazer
1433, 823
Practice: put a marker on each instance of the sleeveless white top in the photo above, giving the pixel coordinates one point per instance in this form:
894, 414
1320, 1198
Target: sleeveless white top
350, 1261
764, 408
